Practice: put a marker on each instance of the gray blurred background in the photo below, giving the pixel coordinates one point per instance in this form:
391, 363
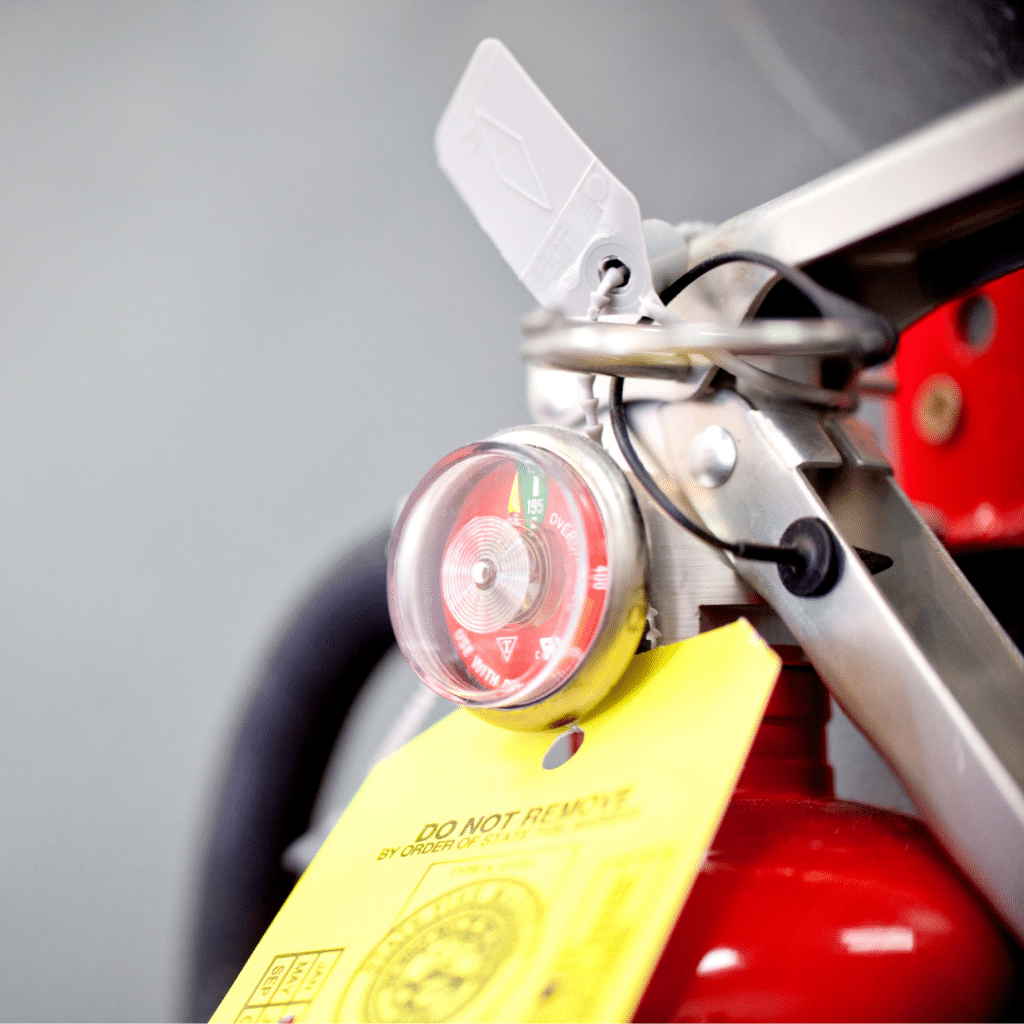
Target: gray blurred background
241, 313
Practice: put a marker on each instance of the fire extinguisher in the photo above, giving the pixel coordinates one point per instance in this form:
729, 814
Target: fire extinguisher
565, 550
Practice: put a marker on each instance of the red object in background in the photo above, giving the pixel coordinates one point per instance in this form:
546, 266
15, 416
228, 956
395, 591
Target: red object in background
812, 908
957, 427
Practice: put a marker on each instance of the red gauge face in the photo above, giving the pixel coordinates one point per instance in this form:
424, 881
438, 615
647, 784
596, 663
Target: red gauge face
499, 578
524, 576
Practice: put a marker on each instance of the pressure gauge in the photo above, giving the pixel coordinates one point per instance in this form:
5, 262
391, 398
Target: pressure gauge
517, 577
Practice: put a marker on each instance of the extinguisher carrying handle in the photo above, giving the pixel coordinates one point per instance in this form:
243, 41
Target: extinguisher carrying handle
913, 655
275, 765
900, 229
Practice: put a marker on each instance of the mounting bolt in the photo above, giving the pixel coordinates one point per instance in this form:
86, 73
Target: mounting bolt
937, 407
712, 456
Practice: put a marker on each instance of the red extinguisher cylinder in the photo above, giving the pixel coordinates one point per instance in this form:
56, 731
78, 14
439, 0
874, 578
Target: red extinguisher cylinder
812, 908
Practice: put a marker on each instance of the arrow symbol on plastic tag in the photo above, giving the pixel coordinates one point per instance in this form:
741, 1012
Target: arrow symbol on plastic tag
558, 216
512, 159
506, 644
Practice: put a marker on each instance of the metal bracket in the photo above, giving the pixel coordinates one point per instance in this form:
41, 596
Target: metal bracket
915, 659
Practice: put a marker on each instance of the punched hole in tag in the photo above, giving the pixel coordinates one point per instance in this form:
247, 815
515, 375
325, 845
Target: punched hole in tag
614, 261
566, 744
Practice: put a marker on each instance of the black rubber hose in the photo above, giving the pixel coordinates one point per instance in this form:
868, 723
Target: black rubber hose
276, 764
741, 549
827, 303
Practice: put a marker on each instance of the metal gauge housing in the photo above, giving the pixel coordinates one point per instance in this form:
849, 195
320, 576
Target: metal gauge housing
517, 577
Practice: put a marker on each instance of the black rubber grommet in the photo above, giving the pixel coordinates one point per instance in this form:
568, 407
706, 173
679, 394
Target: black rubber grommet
821, 555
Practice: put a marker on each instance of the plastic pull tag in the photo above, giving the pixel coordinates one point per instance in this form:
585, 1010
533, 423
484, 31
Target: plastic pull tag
466, 882
556, 213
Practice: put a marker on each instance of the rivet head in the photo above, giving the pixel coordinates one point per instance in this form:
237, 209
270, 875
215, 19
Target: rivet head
483, 573
712, 456
937, 407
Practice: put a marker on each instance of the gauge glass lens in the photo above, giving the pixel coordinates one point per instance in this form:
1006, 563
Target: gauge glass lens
498, 575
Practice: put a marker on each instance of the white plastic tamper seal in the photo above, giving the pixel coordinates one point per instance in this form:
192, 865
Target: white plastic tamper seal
556, 213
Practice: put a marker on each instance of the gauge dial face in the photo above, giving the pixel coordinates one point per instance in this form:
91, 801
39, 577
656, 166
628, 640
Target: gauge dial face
499, 575
523, 591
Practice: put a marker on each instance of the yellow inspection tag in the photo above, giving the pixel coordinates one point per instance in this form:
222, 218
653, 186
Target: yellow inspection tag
467, 883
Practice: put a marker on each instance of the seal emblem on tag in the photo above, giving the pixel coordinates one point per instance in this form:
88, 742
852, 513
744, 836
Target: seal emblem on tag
433, 963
